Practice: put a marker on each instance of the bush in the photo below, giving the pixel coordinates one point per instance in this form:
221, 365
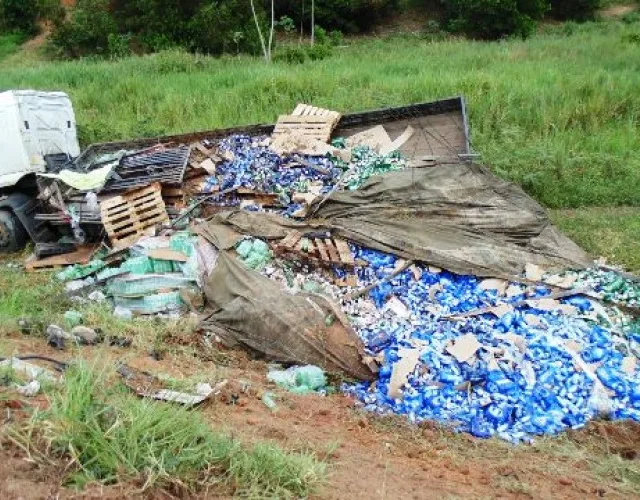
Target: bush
493, 19
87, 31
576, 10
295, 54
19, 16
226, 27
298, 54
349, 16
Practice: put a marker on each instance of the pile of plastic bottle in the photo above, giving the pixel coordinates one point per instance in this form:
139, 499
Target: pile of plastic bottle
527, 378
254, 166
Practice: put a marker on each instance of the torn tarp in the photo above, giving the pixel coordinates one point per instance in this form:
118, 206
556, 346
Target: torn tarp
458, 217
253, 312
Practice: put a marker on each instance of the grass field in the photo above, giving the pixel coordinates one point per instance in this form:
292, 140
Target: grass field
557, 113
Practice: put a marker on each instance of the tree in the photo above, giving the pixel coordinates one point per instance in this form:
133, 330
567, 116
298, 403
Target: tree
266, 49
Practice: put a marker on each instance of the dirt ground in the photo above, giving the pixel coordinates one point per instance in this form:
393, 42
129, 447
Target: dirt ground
368, 456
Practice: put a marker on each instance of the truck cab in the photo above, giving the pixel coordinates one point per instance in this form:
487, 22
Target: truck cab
35, 125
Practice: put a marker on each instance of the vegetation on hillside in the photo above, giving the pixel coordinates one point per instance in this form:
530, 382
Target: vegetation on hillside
118, 27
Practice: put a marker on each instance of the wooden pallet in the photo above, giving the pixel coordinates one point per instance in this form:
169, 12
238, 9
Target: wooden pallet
308, 121
132, 215
326, 252
82, 255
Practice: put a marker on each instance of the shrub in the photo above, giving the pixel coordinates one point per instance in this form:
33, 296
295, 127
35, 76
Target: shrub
226, 26
576, 10
493, 19
293, 54
349, 16
87, 31
19, 16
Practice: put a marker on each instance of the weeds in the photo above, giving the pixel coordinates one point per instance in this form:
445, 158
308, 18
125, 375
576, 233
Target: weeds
612, 233
112, 436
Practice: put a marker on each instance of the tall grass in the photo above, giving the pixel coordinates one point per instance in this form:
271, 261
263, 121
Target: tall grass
113, 436
10, 44
557, 113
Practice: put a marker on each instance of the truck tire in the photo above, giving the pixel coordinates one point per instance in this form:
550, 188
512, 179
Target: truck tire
13, 237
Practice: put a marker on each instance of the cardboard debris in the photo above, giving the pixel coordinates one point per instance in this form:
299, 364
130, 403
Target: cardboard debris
494, 284
167, 254
518, 340
562, 281
399, 142
628, 364
573, 346
533, 320
501, 309
82, 255
209, 166
513, 291
376, 138
533, 272
408, 360
547, 304
396, 306
464, 348
417, 273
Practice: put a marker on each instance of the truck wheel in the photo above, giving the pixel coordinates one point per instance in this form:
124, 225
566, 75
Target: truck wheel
13, 237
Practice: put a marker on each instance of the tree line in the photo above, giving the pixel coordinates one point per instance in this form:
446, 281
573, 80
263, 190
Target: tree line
120, 27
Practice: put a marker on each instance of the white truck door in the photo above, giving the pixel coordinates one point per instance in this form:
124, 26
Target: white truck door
49, 125
14, 159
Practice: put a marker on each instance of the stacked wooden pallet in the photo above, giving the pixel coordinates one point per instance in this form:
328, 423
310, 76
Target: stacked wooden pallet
130, 216
308, 121
322, 251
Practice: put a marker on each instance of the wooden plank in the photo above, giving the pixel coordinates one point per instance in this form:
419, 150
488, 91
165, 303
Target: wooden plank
333, 252
290, 239
322, 249
344, 251
299, 109
81, 256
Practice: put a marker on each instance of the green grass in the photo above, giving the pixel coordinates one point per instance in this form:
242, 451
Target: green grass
557, 113
610, 232
111, 436
35, 296
9, 44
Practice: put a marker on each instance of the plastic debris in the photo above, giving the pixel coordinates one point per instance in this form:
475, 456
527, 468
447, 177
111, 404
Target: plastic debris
299, 379
254, 253
269, 402
30, 389
72, 318
123, 313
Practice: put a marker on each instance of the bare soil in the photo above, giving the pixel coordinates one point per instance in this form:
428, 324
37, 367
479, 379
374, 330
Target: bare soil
368, 456
617, 11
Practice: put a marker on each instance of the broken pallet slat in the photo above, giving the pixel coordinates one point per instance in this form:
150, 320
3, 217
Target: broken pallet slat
344, 251
333, 252
322, 250
291, 239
